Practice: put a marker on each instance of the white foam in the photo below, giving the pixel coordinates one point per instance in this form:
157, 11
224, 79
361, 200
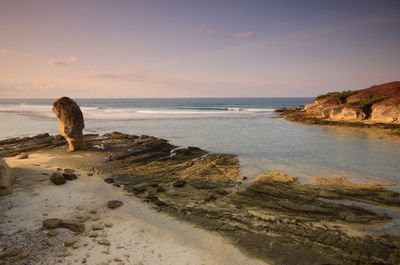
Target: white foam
101, 113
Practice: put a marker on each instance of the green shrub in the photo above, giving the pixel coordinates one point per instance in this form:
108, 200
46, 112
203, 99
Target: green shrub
368, 101
339, 95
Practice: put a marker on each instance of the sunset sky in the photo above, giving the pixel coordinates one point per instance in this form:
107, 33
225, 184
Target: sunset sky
197, 48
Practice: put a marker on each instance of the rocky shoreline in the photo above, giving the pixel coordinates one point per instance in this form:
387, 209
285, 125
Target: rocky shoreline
374, 107
276, 218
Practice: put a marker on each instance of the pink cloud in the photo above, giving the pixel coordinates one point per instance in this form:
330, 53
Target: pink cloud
56, 62
62, 62
5, 52
72, 59
243, 35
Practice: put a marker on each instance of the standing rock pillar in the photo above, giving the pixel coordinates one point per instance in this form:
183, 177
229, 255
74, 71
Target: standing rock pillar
70, 122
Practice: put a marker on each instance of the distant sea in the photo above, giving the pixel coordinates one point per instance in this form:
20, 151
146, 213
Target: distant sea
246, 127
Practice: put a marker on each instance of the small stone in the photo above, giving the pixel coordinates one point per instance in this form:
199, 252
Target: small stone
53, 232
66, 253
84, 260
93, 234
117, 260
104, 242
70, 241
90, 174
69, 176
93, 211
95, 217
50, 242
75, 245
84, 219
57, 178
108, 224
113, 204
109, 180
52, 223
179, 183
68, 170
97, 226
22, 156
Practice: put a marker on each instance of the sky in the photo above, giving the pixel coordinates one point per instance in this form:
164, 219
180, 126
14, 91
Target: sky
203, 48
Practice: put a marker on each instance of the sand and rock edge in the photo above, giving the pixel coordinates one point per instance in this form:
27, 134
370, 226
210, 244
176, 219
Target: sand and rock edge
276, 218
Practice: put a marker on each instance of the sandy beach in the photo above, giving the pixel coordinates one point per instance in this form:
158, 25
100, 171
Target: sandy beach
138, 235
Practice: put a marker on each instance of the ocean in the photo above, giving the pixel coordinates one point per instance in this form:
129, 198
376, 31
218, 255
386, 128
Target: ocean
247, 127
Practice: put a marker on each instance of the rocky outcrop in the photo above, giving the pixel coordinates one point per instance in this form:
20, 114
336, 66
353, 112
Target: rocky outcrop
276, 217
70, 122
6, 178
374, 105
386, 111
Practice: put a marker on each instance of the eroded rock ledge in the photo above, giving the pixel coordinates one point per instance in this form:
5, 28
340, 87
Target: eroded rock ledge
377, 106
276, 218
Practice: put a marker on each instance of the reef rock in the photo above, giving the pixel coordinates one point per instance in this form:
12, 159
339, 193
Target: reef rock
70, 122
373, 105
6, 178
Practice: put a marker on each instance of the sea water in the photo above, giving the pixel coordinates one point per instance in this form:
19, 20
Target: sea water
246, 127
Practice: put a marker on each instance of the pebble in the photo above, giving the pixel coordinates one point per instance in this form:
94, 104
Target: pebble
75, 245
50, 242
22, 156
113, 204
84, 219
68, 170
108, 224
93, 234
95, 217
97, 226
53, 232
93, 211
84, 260
104, 242
70, 241
117, 260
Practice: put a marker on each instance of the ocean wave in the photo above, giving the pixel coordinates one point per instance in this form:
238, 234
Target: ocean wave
112, 113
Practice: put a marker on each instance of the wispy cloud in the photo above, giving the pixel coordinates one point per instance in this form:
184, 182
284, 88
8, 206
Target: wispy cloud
62, 62
6, 52
72, 59
243, 35
56, 62
123, 77
212, 31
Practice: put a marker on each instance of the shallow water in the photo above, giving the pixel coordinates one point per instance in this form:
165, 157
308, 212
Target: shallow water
245, 127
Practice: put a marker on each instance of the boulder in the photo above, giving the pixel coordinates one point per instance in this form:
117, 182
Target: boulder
70, 122
6, 178
386, 111
57, 178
